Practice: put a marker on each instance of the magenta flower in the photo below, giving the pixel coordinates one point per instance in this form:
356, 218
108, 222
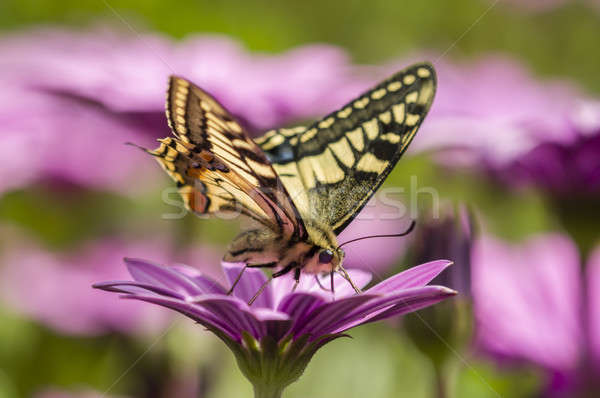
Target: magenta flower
274, 338
62, 299
70, 99
561, 168
449, 235
593, 289
531, 306
48, 137
493, 115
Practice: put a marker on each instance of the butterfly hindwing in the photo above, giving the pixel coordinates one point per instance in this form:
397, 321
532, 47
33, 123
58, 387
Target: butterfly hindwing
332, 167
217, 167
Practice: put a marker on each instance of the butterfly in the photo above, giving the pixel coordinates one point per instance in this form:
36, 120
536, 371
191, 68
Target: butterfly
303, 185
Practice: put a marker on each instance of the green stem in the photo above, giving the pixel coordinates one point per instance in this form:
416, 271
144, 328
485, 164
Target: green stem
265, 391
441, 383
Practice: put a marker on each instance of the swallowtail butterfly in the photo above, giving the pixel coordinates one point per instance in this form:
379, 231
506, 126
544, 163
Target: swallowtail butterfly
302, 185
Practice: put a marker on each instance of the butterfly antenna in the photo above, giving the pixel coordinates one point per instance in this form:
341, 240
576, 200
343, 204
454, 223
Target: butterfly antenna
408, 231
141, 148
346, 276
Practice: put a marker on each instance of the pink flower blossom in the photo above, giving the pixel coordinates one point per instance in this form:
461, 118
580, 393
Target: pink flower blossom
533, 303
54, 288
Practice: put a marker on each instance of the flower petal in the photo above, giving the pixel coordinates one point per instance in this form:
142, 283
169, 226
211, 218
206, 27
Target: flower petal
342, 287
234, 312
413, 277
528, 300
277, 324
299, 306
190, 310
249, 284
204, 282
412, 305
136, 288
323, 317
402, 302
144, 271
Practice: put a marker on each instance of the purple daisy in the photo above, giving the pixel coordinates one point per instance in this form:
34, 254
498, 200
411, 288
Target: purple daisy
68, 93
547, 314
274, 338
493, 115
593, 289
62, 299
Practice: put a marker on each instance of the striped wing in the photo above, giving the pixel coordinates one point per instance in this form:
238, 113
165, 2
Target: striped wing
217, 167
334, 166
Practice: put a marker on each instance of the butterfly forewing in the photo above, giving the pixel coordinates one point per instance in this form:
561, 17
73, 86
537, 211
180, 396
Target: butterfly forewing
332, 167
217, 167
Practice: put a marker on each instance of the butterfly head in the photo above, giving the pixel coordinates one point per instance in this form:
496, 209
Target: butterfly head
331, 257
323, 260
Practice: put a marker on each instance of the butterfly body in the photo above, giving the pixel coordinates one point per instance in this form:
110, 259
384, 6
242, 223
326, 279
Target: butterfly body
262, 247
302, 186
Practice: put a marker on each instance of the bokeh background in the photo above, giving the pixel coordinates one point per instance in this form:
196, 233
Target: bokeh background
511, 150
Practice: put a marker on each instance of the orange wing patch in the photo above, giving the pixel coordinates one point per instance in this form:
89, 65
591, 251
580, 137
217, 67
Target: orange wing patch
217, 167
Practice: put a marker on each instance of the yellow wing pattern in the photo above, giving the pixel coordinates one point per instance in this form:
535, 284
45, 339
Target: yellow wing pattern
332, 167
217, 167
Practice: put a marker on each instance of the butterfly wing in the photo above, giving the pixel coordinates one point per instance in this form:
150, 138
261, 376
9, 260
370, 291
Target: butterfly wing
332, 167
217, 167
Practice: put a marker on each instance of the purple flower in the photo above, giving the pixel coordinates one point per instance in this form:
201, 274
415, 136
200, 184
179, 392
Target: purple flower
70, 99
439, 331
560, 168
48, 137
53, 288
593, 289
493, 115
531, 305
274, 338
450, 235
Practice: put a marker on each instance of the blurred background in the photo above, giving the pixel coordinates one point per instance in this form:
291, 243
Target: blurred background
503, 178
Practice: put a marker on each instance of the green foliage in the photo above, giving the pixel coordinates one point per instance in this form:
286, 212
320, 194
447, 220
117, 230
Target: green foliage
62, 218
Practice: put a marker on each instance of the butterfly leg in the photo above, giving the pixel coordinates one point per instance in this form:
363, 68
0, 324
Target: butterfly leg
347, 277
277, 274
331, 282
296, 279
265, 265
319, 283
260, 290
234, 284
285, 270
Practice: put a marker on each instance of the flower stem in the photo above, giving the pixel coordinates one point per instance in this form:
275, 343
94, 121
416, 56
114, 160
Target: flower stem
262, 391
441, 383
